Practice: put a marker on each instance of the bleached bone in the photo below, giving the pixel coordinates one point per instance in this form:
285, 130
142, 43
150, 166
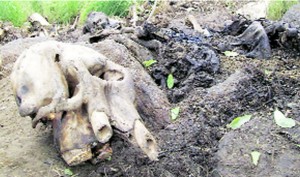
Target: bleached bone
74, 137
121, 98
100, 90
101, 126
37, 80
145, 140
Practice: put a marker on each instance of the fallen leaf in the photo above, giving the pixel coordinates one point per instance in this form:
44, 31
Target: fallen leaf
174, 113
239, 121
148, 63
282, 121
170, 81
109, 158
67, 171
230, 54
267, 72
255, 157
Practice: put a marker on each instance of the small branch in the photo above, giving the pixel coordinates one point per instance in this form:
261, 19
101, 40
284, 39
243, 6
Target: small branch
196, 26
134, 14
152, 11
73, 27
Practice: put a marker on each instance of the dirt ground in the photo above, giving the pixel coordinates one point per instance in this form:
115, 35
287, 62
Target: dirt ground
198, 143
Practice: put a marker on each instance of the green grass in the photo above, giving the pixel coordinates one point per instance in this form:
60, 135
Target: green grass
16, 12
62, 12
59, 11
277, 8
116, 8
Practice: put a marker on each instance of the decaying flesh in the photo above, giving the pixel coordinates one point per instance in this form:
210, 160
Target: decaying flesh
84, 94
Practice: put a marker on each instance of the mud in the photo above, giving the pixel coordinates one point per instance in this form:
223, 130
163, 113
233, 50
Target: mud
198, 143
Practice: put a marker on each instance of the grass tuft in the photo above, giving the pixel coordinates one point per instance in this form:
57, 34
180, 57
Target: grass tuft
277, 8
110, 8
59, 11
15, 12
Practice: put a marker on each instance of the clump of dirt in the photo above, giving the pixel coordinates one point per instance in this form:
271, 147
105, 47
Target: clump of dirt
9, 33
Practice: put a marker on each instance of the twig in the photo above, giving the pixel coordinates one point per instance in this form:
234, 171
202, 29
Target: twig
73, 27
152, 11
196, 25
134, 14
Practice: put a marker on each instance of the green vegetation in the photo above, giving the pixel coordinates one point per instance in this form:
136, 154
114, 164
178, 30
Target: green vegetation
277, 8
64, 12
58, 11
230, 54
149, 63
170, 81
255, 157
283, 121
239, 121
174, 113
68, 172
13, 11
116, 8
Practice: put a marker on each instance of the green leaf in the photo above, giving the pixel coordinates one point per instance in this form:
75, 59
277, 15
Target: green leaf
109, 158
174, 113
230, 54
67, 171
170, 81
239, 121
267, 72
298, 145
148, 63
282, 121
255, 157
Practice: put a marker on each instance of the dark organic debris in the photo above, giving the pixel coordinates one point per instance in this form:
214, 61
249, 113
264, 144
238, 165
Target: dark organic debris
283, 35
253, 42
98, 21
188, 58
256, 40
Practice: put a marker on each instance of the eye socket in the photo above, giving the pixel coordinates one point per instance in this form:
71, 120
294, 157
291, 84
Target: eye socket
24, 90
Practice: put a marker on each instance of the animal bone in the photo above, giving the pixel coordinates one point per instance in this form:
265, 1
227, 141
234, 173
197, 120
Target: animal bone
74, 137
37, 80
93, 91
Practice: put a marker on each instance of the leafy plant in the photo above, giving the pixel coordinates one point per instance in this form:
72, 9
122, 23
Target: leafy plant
68, 172
230, 54
255, 157
170, 81
282, 121
149, 63
239, 121
174, 113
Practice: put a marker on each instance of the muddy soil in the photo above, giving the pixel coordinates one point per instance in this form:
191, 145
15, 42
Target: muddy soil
198, 143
